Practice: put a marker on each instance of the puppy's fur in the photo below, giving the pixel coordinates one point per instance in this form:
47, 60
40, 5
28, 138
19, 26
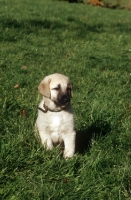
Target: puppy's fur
55, 122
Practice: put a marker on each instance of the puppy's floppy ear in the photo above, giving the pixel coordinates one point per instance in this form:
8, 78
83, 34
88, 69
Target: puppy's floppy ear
44, 87
71, 90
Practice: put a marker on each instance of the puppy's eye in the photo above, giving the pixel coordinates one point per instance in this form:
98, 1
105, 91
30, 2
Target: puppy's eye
57, 88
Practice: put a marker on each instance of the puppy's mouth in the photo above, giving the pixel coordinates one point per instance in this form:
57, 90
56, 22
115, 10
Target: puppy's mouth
62, 101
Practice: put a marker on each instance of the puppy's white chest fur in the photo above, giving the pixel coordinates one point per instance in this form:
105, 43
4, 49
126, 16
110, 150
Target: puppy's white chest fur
56, 132
56, 121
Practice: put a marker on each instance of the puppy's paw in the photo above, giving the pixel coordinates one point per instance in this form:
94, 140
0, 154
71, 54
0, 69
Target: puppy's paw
48, 145
68, 154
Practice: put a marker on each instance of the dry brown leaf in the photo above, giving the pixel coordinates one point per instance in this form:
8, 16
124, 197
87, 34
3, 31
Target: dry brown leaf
17, 86
24, 67
23, 113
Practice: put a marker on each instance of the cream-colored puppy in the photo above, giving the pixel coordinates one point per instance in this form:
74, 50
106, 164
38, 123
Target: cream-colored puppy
55, 122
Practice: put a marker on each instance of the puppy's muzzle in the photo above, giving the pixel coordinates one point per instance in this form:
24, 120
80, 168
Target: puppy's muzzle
63, 100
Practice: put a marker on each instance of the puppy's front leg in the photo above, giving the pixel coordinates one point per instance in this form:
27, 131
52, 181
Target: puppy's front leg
69, 143
46, 140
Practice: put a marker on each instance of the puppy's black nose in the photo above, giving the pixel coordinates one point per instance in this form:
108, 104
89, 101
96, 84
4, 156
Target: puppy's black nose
64, 99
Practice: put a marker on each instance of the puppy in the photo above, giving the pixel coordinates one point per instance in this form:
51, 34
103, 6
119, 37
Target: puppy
55, 122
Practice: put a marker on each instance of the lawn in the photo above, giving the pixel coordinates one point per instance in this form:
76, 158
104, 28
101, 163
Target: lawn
92, 46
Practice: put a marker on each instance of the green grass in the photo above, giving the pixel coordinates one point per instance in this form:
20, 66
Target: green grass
92, 46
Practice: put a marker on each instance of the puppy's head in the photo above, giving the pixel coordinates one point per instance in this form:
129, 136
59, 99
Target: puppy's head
57, 88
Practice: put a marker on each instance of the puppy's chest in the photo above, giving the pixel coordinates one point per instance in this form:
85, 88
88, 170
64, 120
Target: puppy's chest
57, 122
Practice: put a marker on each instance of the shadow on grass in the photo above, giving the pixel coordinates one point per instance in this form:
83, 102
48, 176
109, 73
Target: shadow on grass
83, 137
80, 26
47, 24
